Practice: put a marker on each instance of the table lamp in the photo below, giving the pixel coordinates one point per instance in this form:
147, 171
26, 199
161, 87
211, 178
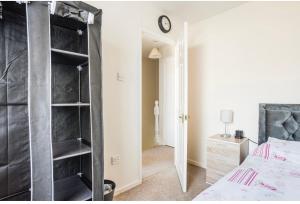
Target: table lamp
226, 116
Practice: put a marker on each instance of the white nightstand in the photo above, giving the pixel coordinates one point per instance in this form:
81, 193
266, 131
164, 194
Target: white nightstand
223, 155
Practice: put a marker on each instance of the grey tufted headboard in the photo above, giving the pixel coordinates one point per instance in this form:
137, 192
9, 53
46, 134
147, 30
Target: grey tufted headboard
281, 121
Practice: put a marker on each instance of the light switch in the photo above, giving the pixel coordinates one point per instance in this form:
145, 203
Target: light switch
115, 160
120, 77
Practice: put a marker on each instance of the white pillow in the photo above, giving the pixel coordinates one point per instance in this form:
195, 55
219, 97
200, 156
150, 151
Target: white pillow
284, 150
279, 150
286, 145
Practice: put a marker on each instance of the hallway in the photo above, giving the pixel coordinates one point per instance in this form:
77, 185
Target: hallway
160, 180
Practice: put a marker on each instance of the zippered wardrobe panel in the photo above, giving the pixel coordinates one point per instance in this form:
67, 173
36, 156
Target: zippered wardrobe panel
14, 131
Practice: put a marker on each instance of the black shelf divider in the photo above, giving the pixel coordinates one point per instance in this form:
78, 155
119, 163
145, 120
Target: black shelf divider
71, 189
70, 104
70, 148
69, 58
65, 52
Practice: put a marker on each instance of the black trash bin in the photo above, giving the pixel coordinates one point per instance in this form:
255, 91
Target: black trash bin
109, 190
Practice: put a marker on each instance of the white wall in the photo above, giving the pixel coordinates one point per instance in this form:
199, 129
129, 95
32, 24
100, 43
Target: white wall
121, 38
238, 59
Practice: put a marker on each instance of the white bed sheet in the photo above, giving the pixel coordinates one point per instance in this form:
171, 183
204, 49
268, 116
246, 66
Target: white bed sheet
270, 172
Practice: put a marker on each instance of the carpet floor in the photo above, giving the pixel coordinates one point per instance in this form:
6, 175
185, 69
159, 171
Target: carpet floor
160, 180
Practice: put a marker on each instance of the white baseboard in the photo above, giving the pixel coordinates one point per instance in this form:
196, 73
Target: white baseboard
127, 187
195, 163
138, 182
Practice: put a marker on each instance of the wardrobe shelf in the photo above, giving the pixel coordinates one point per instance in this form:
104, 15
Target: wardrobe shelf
69, 104
65, 52
70, 148
67, 57
71, 189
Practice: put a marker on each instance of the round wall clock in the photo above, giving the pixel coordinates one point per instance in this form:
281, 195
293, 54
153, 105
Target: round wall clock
164, 24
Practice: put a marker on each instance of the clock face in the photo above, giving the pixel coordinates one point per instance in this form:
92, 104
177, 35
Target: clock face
164, 23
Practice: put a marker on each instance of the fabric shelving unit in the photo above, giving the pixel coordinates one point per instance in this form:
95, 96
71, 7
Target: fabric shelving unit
50, 102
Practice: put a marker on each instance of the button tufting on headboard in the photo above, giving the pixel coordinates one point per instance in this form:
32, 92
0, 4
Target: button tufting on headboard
291, 125
281, 121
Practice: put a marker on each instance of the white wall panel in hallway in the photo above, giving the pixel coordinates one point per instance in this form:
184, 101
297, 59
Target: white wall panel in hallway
167, 94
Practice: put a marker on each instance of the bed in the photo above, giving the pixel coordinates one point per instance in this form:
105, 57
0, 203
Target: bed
272, 170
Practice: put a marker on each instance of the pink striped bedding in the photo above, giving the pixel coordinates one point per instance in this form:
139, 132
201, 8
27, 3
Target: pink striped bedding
270, 172
243, 176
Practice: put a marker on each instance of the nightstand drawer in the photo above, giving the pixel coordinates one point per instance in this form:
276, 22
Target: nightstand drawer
223, 150
221, 165
226, 158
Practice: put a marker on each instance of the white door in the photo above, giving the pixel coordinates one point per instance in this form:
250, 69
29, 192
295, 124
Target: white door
182, 107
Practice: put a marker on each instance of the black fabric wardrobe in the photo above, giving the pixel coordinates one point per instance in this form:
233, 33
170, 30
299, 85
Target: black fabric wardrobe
51, 128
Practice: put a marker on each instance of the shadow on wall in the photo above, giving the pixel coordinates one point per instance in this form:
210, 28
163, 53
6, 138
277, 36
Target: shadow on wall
150, 69
196, 140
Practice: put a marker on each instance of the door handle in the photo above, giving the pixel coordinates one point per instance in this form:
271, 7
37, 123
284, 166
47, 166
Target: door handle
181, 117
184, 117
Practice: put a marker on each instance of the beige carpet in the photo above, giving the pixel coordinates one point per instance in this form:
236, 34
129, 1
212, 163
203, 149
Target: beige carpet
157, 159
160, 180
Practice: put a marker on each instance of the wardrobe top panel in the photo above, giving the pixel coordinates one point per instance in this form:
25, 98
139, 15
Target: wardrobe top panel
14, 7
67, 23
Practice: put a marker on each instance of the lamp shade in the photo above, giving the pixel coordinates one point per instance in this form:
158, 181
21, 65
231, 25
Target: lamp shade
226, 116
154, 54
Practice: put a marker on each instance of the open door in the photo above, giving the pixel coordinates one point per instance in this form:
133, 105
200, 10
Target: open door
182, 107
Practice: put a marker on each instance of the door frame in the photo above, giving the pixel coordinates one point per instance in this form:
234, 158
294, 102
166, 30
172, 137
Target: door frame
166, 40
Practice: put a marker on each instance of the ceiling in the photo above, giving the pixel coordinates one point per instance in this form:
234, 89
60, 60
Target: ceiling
194, 11
191, 11
149, 42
